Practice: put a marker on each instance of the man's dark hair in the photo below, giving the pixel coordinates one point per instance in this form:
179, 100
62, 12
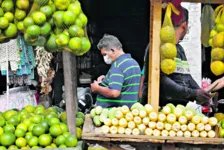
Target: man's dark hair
185, 18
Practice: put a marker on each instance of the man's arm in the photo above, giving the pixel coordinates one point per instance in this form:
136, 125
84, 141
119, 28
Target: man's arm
177, 90
105, 91
220, 85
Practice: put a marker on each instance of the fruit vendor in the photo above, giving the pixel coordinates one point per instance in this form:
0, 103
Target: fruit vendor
121, 83
179, 87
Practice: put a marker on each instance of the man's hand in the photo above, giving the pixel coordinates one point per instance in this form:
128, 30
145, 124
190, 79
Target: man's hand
100, 78
202, 97
94, 86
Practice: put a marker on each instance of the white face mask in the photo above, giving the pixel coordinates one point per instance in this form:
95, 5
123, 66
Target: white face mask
107, 60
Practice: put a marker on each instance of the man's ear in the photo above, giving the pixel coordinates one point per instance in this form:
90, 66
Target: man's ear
184, 26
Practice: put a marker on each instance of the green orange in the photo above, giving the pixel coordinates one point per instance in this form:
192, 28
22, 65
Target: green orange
33, 141
45, 140
20, 133
7, 139
55, 130
38, 130
21, 142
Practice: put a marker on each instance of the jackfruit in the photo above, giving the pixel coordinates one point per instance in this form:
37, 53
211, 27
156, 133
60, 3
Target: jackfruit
167, 35
217, 68
217, 54
168, 66
168, 50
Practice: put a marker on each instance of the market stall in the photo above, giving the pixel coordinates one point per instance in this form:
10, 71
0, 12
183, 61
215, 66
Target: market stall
115, 133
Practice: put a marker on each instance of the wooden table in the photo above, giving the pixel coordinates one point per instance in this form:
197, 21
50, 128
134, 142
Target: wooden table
91, 134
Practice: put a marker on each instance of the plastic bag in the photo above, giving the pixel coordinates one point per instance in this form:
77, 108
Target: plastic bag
167, 33
207, 24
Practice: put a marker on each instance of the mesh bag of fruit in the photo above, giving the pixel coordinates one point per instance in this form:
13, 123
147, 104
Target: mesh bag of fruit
168, 49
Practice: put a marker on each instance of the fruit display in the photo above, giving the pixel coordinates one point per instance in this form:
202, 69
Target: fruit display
168, 50
216, 41
171, 121
37, 127
57, 25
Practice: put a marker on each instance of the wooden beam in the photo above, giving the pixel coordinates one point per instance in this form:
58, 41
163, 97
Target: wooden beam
205, 1
154, 53
70, 84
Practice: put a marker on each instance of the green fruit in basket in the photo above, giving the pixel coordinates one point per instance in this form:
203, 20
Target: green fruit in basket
76, 31
4, 23
28, 21
75, 7
7, 5
7, 139
47, 10
61, 4
62, 40
20, 14
45, 29
75, 44
11, 31
84, 19
51, 45
33, 31
20, 26
86, 45
79, 22
69, 18
39, 18
23, 4
1, 12
58, 18
9, 113
9, 16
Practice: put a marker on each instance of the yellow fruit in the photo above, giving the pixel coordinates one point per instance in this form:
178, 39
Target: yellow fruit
172, 133
123, 123
135, 131
156, 132
204, 120
191, 127
152, 125
182, 120
135, 112
212, 121
167, 35
108, 122
168, 126
217, 68
115, 121
121, 130
153, 116
188, 114
148, 131
210, 42
142, 113
180, 133
141, 127
137, 120
165, 133
195, 133
162, 117
168, 50
219, 27
145, 121
187, 134
113, 130
217, 54
171, 118
213, 33
219, 116
200, 127
208, 127
168, 66
203, 134
160, 125
218, 40
125, 109
128, 131
129, 116
178, 112
183, 127
211, 134
105, 129
176, 126
119, 114
166, 110
148, 108
131, 125
196, 119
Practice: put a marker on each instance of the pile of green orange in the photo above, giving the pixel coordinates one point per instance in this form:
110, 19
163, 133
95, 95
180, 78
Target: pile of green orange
36, 127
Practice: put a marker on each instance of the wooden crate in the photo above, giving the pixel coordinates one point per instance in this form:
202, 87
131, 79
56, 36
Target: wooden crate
93, 134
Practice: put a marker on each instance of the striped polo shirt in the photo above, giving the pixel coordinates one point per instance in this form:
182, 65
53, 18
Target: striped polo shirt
124, 75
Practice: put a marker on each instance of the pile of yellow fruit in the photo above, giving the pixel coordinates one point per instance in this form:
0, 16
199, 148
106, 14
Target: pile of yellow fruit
171, 121
217, 43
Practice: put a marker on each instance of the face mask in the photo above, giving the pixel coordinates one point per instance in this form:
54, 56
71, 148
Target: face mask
107, 60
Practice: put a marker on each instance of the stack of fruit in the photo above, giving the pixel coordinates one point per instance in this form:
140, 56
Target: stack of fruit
221, 129
217, 43
171, 121
36, 127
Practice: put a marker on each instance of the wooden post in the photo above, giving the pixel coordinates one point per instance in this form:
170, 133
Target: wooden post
70, 84
154, 53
